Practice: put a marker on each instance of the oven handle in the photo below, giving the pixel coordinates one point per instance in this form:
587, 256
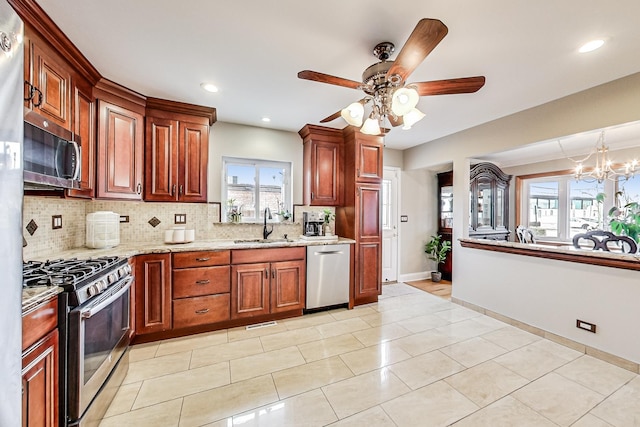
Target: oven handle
95, 309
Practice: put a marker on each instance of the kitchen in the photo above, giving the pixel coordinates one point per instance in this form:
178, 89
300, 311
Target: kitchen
143, 216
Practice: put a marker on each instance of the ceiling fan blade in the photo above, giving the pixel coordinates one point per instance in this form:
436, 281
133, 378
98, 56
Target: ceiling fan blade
327, 78
331, 117
424, 38
450, 86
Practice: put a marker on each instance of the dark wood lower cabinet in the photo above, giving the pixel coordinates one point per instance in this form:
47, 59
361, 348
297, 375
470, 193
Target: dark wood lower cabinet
153, 293
40, 383
250, 290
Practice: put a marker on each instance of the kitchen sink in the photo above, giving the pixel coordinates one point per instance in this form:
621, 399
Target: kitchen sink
263, 241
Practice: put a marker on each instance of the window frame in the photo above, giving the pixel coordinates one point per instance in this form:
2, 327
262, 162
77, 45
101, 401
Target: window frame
563, 177
257, 164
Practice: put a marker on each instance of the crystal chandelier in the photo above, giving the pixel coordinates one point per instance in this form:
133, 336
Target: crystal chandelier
604, 168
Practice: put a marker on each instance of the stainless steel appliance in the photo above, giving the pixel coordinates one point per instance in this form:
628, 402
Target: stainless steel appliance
94, 331
51, 153
312, 224
11, 130
328, 269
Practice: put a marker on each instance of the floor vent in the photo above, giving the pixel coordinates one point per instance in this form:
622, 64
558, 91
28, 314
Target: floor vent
262, 325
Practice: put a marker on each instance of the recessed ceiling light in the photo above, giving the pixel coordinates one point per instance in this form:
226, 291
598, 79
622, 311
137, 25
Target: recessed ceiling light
266, 119
591, 46
209, 87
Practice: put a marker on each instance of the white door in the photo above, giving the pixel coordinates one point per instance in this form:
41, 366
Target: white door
390, 225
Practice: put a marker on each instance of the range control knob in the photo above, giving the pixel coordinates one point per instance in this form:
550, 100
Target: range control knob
93, 290
112, 277
102, 285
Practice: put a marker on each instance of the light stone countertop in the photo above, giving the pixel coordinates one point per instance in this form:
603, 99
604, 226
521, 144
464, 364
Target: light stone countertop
132, 249
33, 296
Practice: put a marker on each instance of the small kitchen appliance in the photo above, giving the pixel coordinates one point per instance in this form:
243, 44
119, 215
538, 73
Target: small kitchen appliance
103, 230
313, 224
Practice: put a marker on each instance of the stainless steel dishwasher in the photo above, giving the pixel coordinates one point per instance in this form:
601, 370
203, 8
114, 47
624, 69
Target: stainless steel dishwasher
327, 275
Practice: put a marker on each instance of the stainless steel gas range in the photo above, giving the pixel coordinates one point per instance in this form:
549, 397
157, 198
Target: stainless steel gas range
94, 331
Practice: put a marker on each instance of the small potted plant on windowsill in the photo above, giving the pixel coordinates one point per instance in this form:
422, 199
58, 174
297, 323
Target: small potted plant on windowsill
437, 249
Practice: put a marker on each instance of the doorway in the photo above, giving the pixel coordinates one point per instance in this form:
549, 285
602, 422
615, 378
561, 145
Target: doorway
390, 207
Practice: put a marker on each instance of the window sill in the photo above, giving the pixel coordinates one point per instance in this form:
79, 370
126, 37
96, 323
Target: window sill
561, 253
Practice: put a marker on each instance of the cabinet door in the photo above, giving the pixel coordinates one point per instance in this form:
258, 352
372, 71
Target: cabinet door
40, 383
325, 174
120, 152
153, 293
161, 147
193, 159
368, 250
287, 286
53, 79
84, 119
250, 290
369, 159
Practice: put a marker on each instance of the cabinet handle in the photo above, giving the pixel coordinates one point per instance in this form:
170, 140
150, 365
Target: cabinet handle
180, 190
202, 311
139, 188
28, 91
273, 273
203, 282
358, 171
39, 101
173, 190
202, 259
312, 195
266, 273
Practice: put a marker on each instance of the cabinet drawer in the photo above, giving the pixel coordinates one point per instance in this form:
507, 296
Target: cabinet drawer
201, 310
200, 259
37, 323
245, 256
193, 282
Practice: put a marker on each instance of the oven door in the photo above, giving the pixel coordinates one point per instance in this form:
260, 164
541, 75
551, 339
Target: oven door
98, 336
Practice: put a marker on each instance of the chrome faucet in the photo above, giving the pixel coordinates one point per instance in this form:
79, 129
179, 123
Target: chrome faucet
265, 232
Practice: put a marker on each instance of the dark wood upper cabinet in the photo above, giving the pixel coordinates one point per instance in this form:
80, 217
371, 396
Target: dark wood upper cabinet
120, 142
84, 126
368, 160
177, 151
322, 166
47, 81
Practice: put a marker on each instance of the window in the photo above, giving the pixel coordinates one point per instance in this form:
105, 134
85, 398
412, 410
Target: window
559, 207
250, 186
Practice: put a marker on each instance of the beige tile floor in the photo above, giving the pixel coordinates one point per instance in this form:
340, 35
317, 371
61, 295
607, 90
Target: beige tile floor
411, 359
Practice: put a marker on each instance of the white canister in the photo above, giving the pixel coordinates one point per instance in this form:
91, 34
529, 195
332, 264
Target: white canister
178, 236
102, 230
190, 235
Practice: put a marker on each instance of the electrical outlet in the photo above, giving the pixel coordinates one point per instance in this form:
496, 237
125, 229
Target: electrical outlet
124, 218
581, 324
56, 222
180, 218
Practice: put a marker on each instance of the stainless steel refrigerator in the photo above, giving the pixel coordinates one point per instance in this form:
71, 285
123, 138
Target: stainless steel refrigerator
11, 132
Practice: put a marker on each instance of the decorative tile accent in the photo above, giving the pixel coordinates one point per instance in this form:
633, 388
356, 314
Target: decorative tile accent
32, 227
154, 222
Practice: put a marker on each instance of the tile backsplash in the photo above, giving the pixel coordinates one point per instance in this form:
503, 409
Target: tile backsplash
204, 218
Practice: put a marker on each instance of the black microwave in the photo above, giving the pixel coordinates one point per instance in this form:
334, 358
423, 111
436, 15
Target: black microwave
51, 154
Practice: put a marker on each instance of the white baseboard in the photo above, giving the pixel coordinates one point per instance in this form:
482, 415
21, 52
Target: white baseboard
414, 276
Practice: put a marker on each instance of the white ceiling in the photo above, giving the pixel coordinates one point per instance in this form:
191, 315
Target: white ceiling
252, 50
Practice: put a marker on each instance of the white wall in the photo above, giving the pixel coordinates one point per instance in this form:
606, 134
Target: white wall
545, 293
228, 139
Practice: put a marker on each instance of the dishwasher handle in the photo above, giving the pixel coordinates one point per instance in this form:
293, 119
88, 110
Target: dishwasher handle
328, 253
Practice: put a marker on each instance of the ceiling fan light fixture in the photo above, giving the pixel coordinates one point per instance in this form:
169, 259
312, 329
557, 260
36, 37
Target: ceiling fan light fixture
371, 126
411, 118
404, 99
353, 114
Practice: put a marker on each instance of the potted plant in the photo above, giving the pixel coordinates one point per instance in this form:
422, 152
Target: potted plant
329, 216
436, 249
625, 221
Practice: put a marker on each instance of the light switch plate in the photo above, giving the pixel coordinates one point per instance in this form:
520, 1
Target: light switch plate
180, 218
56, 222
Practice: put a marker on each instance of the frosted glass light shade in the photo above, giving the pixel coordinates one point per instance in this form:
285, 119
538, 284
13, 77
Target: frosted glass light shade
371, 127
353, 114
411, 118
404, 100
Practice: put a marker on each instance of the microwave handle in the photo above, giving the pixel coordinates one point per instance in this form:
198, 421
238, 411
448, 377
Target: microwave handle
76, 173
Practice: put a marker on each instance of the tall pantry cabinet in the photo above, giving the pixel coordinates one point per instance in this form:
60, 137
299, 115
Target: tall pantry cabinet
359, 218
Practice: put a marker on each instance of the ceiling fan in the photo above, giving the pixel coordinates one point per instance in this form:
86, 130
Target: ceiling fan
384, 83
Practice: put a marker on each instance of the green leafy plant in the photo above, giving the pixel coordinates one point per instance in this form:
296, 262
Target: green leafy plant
436, 249
328, 216
625, 220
